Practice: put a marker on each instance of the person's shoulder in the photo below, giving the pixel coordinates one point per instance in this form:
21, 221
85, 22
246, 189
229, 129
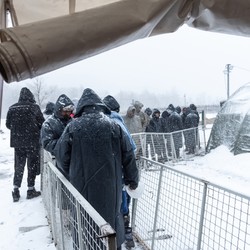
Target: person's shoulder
13, 105
115, 115
35, 105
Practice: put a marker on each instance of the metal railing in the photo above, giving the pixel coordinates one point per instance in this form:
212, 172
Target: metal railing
177, 211
74, 222
182, 212
171, 147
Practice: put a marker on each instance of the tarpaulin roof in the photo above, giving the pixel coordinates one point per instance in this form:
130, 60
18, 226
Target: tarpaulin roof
50, 34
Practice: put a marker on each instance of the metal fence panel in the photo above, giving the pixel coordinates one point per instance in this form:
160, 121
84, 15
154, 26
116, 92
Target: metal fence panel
177, 211
226, 224
171, 147
74, 222
182, 212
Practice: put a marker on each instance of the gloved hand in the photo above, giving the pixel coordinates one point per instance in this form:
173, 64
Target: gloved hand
133, 186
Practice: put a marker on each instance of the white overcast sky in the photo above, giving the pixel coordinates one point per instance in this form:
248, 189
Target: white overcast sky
188, 61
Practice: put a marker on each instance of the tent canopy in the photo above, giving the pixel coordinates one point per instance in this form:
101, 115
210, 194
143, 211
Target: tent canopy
49, 34
232, 124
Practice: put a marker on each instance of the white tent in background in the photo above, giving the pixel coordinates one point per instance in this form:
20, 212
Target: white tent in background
232, 124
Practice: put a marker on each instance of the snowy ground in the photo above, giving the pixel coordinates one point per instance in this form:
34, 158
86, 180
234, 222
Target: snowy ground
221, 167
23, 225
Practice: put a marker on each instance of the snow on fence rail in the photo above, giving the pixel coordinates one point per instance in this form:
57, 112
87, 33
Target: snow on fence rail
74, 222
178, 211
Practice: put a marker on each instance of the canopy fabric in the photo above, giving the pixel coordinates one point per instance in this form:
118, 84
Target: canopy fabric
54, 33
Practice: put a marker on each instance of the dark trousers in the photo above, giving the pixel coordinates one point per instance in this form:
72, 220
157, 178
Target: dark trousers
32, 156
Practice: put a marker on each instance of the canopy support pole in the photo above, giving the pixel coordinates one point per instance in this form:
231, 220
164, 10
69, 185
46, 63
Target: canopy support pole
3, 21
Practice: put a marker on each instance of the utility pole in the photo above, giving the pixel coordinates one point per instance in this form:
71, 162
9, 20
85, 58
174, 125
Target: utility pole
227, 71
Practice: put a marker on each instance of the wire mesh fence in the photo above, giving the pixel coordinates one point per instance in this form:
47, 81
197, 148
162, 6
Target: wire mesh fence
179, 211
171, 147
74, 222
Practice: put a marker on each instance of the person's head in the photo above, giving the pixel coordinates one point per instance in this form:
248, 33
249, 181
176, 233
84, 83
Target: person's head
165, 114
64, 107
26, 96
90, 102
192, 107
156, 113
184, 110
170, 108
49, 108
138, 106
112, 103
67, 111
148, 111
131, 111
178, 109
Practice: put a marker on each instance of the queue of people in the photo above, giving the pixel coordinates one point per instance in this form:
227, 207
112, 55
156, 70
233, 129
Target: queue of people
171, 120
92, 146
94, 150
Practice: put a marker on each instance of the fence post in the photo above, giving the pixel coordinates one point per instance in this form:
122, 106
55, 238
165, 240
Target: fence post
59, 195
51, 204
143, 143
203, 204
78, 225
156, 208
174, 157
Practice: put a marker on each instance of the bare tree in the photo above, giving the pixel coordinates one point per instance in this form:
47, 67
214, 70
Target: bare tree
40, 91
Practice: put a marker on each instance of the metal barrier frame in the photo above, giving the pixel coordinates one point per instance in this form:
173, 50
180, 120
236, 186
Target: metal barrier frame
180, 211
177, 211
74, 223
163, 147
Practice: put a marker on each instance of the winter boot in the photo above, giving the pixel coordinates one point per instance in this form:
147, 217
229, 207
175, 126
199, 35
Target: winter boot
129, 241
33, 193
126, 219
16, 195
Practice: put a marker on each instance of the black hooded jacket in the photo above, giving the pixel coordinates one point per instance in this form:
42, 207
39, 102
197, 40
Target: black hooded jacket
155, 125
24, 119
95, 152
54, 125
49, 108
111, 103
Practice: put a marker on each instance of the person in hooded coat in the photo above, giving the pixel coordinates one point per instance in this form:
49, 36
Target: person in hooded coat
49, 109
191, 121
138, 112
156, 126
96, 154
132, 121
114, 106
194, 110
24, 119
54, 125
134, 126
174, 125
148, 113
